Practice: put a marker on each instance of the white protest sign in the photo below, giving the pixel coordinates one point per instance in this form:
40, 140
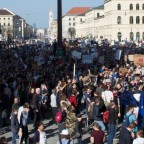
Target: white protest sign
87, 59
101, 59
76, 54
118, 54
137, 97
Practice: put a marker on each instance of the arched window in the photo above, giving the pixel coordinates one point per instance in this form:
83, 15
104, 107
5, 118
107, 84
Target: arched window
143, 35
137, 36
119, 7
131, 6
143, 7
143, 19
137, 20
131, 19
137, 6
131, 36
119, 20
119, 36
98, 14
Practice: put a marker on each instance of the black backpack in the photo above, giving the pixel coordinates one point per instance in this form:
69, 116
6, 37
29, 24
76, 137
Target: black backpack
126, 121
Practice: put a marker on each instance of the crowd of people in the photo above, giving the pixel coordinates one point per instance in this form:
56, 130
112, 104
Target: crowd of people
109, 98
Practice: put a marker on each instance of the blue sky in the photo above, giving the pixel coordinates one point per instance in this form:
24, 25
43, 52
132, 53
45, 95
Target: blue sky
36, 11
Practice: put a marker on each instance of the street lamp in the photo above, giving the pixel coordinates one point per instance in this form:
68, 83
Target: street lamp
59, 50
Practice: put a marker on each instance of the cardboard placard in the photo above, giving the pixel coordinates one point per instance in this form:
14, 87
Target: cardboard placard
131, 57
123, 70
139, 59
36, 67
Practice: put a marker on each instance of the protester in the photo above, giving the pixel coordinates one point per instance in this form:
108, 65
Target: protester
65, 139
97, 136
24, 124
139, 139
14, 126
126, 134
40, 135
3, 140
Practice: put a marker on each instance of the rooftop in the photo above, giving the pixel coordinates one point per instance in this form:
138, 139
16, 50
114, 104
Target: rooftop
78, 10
99, 7
5, 11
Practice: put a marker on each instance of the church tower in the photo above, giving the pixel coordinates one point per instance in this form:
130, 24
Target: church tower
50, 16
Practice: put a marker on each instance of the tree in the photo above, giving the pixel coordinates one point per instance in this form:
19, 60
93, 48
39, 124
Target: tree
71, 31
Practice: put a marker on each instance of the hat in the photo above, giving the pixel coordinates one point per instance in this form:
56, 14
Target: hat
64, 132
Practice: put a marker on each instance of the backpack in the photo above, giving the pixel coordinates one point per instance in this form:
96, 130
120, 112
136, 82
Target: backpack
106, 117
126, 121
58, 116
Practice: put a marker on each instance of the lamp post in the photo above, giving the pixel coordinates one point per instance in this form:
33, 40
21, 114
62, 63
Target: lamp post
59, 50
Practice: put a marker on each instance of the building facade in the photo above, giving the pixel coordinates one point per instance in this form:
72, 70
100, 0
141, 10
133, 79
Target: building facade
69, 19
13, 26
115, 20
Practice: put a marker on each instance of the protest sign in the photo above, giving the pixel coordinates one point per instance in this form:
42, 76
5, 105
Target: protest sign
123, 70
87, 59
139, 59
36, 67
94, 55
76, 54
118, 54
125, 58
101, 59
131, 57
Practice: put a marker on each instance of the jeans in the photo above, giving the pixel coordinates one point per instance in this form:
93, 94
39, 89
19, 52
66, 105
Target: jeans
14, 137
112, 131
79, 140
101, 124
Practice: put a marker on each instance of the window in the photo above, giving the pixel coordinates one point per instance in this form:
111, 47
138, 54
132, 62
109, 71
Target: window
137, 20
118, 7
131, 6
81, 19
119, 20
69, 18
137, 6
131, 36
69, 24
143, 19
137, 36
98, 14
73, 24
4, 18
4, 24
143, 35
0, 24
73, 18
131, 19
8, 24
119, 36
143, 7
8, 18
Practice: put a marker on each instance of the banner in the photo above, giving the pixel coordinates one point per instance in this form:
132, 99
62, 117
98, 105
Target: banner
87, 59
118, 54
139, 59
131, 57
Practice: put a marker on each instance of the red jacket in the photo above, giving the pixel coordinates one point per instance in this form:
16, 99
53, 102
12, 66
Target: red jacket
73, 100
